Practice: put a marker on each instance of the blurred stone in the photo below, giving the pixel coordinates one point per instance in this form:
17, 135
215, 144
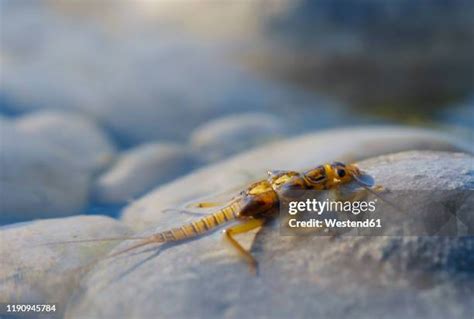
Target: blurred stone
5, 121
304, 277
372, 55
74, 134
37, 178
221, 137
140, 169
378, 56
141, 82
346, 145
35, 270
460, 115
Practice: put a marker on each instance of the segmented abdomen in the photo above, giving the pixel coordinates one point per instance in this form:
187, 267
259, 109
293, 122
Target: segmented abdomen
202, 225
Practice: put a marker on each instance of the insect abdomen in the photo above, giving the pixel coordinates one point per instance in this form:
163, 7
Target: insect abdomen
202, 225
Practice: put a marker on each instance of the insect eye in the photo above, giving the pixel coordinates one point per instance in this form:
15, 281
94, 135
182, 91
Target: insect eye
341, 172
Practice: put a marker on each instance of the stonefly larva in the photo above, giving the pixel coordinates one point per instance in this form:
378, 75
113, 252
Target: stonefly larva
252, 207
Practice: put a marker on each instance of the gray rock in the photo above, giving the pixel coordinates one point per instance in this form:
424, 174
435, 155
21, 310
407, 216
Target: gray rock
34, 270
296, 153
139, 169
75, 134
304, 277
230, 134
38, 179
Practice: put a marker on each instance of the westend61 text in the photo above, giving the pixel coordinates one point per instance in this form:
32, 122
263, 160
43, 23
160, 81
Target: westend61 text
334, 223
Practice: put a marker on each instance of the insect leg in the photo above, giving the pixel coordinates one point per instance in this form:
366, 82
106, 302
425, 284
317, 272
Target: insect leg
378, 188
239, 229
358, 195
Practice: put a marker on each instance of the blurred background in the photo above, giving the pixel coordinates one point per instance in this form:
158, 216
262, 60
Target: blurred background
101, 101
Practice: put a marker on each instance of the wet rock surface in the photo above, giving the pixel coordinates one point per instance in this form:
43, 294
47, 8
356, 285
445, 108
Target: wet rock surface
364, 276
139, 169
33, 270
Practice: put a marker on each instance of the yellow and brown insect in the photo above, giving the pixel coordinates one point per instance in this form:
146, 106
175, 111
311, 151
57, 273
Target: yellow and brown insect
255, 205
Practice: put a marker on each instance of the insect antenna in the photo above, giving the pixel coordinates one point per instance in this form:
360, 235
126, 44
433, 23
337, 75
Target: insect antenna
85, 268
367, 188
146, 241
74, 241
